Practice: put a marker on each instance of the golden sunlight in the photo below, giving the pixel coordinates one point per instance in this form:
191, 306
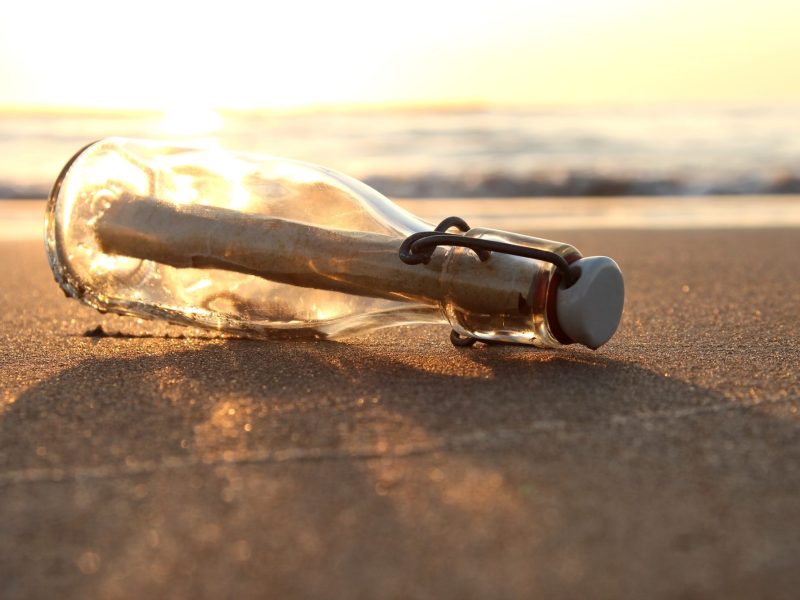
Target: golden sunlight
190, 121
267, 55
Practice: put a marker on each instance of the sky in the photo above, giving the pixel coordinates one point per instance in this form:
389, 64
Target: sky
173, 55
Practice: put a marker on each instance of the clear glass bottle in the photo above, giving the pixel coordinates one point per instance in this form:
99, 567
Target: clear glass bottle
264, 246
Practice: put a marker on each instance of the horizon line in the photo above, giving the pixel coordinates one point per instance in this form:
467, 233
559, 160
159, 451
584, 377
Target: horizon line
388, 107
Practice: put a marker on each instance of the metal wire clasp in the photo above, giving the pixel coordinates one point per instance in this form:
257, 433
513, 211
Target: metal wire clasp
418, 249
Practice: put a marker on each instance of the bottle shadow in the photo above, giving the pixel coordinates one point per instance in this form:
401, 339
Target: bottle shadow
180, 442
234, 395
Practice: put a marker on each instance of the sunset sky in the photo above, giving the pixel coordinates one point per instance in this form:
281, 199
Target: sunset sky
248, 55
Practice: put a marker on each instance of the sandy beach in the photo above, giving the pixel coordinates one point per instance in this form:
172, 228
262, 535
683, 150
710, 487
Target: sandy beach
665, 465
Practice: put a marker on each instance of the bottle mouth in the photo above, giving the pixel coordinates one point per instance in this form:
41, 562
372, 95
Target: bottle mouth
576, 271
556, 285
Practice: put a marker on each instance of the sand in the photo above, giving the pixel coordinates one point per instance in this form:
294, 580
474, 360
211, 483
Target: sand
665, 465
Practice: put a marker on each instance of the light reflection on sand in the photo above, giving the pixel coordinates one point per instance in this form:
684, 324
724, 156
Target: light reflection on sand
669, 212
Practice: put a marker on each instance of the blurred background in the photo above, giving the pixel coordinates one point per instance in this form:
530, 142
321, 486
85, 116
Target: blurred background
422, 99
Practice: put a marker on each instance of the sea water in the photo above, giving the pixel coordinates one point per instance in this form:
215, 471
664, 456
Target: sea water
477, 152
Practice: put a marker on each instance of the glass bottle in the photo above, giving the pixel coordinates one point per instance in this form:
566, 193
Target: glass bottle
264, 247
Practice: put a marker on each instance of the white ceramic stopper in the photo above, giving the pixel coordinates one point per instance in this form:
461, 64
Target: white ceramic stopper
589, 311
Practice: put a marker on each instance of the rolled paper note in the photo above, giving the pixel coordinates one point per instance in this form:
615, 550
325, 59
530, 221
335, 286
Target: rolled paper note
353, 262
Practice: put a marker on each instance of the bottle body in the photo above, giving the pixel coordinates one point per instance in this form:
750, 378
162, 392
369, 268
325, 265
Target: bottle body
263, 246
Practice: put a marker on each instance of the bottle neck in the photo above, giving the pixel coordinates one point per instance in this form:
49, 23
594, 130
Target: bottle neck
527, 314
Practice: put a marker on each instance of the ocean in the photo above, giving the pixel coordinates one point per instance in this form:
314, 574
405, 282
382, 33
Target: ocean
460, 153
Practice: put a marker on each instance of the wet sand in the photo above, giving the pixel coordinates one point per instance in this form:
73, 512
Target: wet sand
665, 465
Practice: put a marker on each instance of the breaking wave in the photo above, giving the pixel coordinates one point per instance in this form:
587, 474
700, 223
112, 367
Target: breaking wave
576, 184
501, 185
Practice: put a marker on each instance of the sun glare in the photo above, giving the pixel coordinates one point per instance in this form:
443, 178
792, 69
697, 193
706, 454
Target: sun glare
250, 56
190, 121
